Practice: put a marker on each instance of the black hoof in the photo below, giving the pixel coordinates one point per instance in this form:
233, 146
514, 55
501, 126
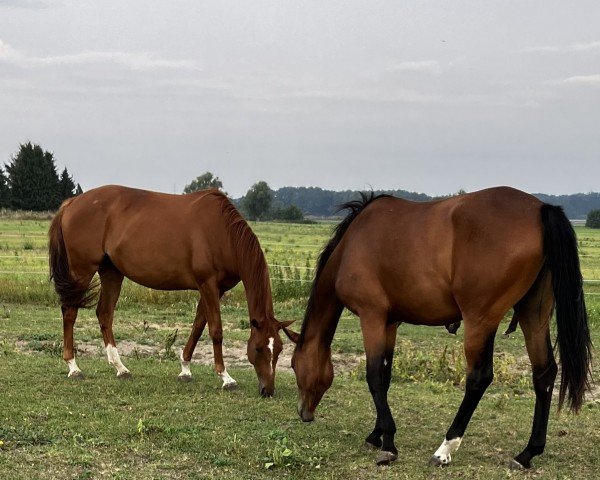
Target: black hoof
437, 462
515, 465
184, 378
76, 376
125, 376
385, 458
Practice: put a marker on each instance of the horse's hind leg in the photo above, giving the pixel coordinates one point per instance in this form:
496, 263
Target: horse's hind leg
110, 280
533, 314
379, 339
479, 349
69, 316
190, 346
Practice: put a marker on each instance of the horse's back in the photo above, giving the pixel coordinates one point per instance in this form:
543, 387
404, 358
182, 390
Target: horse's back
156, 239
428, 262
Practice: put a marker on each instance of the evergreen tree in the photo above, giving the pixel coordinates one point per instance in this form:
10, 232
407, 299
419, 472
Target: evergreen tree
78, 190
4, 191
66, 186
32, 179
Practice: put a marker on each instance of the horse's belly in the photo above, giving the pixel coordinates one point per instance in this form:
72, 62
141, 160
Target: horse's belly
422, 307
154, 276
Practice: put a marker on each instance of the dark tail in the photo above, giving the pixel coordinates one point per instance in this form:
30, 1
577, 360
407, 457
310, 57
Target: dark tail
573, 334
355, 207
71, 292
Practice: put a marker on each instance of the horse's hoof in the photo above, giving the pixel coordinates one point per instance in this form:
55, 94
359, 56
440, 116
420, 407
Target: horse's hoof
184, 378
230, 386
514, 465
370, 446
438, 462
125, 376
77, 375
385, 458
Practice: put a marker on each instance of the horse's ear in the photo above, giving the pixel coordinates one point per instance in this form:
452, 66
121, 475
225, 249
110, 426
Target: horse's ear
254, 323
286, 323
293, 336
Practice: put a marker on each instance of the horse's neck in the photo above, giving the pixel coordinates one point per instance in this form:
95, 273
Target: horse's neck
322, 318
258, 291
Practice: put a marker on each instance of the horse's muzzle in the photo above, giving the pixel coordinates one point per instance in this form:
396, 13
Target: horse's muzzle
264, 391
305, 415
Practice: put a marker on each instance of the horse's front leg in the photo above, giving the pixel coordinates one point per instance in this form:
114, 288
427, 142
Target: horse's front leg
379, 339
190, 346
209, 300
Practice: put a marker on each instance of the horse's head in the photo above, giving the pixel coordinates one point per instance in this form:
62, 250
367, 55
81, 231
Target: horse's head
264, 347
314, 375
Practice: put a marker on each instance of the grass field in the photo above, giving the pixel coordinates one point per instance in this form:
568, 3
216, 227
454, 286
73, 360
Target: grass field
156, 427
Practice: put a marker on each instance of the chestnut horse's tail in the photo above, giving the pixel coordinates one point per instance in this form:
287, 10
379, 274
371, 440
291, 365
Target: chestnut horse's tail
573, 334
71, 292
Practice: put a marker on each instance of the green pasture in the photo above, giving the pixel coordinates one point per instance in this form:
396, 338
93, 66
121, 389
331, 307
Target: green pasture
156, 427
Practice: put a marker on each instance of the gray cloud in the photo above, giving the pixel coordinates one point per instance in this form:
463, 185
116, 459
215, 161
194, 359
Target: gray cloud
428, 96
576, 47
134, 61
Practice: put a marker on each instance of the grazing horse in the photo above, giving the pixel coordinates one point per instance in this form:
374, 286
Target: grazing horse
471, 257
196, 242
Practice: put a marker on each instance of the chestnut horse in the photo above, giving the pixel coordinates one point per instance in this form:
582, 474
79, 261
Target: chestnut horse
196, 242
471, 257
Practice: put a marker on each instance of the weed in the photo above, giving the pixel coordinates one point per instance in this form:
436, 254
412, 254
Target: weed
170, 339
279, 453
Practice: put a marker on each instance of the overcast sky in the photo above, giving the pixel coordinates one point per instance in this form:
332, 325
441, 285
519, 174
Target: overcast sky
430, 96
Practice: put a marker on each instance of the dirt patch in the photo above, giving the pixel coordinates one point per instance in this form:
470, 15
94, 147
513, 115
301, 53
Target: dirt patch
234, 354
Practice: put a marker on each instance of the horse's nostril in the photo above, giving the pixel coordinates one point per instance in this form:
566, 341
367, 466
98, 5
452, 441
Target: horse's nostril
263, 392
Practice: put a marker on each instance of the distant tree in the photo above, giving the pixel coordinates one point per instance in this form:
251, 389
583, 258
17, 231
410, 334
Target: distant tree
78, 190
204, 181
257, 201
32, 179
33, 183
289, 214
66, 186
593, 219
4, 191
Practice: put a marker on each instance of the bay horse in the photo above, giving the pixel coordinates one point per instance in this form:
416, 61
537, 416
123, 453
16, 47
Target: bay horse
471, 257
197, 241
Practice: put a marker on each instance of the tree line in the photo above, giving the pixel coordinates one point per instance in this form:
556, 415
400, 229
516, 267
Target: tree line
259, 202
30, 181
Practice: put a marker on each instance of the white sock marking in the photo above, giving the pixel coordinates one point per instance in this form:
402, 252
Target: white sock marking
444, 453
185, 367
73, 368
227, 380
115, 360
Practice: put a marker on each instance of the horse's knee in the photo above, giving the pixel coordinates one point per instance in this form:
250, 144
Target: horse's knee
480, 379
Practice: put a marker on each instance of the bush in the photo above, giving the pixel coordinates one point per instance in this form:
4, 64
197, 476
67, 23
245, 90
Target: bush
593, 219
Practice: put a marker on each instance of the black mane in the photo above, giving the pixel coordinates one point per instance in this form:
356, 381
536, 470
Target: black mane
354, 207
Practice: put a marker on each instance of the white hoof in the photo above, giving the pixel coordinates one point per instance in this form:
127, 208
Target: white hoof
443, 455
230, 385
